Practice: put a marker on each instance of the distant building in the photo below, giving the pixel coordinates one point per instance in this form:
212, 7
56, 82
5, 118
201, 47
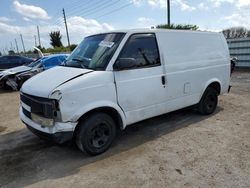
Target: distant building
240, 48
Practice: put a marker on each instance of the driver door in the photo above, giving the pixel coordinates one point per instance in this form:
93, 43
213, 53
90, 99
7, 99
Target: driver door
141, 89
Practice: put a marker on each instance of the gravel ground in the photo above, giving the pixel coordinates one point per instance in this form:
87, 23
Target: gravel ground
179, 149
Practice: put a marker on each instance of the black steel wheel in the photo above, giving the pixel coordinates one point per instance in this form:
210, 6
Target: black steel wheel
96, 134
208, 102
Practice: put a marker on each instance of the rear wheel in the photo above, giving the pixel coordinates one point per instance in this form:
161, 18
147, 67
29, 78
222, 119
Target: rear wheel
96, 134
208, 102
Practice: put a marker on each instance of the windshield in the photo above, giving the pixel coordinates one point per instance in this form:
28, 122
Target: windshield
95, 52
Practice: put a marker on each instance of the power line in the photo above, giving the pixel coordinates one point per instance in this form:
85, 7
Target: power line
88, 9
114, 10
71, 5
80, 5
99, 8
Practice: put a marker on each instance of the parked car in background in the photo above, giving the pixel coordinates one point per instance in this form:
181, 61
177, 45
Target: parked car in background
15, 77
10, 61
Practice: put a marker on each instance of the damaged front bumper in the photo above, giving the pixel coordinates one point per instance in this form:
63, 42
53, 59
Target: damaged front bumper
59, 133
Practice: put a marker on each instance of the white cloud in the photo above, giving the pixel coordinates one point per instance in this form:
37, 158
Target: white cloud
30, 11
218, 3
182, 4
238, 19
144, 22
5, 19
27, 19
8, 29
78, 25
240, 16
144, 19
244, 4
78, 29
203, 6
137, 2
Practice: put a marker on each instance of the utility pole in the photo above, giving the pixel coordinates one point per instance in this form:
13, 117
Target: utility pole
168, 6
16, 47
35, 41
11, 46
38, 34
65, 21
22, 43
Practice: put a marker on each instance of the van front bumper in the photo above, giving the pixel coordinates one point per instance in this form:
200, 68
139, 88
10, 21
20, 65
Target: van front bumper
59, 138
59, 133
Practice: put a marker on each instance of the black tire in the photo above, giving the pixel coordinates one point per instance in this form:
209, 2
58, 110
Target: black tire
208, 102
96, 134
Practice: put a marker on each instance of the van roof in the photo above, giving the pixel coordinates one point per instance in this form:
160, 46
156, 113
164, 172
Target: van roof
157, 30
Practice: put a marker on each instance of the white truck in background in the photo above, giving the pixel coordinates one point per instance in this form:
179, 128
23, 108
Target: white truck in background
114, 79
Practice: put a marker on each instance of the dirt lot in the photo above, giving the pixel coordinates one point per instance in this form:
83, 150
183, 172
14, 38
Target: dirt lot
180, 149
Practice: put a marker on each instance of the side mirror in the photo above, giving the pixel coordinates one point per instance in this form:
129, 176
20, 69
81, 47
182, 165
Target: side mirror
124, 63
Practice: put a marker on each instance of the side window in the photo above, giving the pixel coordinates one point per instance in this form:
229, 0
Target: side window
143, 49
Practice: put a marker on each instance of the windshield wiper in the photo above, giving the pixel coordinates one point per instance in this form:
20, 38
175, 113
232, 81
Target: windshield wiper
79, 60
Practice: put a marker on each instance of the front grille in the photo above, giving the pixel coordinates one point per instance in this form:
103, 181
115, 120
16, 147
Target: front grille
40, 106
26, 113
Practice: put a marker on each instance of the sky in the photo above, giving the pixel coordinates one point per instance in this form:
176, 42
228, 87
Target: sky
85, 17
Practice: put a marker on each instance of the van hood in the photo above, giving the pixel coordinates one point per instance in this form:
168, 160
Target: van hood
43, 84
14, 70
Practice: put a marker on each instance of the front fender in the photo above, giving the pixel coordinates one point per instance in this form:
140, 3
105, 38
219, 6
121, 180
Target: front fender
100, 104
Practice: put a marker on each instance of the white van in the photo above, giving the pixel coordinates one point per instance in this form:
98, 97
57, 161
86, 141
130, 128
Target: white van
112, 80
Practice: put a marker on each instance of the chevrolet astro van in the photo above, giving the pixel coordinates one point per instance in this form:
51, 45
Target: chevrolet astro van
114, 79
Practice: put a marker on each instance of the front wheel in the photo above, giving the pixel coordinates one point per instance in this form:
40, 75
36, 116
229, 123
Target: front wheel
208, 102
96, 134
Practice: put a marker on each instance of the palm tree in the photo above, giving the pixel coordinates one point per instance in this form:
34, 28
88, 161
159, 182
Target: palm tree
55, 38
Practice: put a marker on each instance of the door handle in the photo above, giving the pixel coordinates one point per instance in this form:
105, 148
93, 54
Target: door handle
163, 80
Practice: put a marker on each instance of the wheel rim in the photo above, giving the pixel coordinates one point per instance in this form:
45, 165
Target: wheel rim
210, 102
100, 135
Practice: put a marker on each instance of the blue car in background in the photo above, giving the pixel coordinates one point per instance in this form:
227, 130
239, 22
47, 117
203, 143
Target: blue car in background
15, 77
10, 61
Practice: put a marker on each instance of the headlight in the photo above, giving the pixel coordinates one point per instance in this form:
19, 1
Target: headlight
56, 94
42, 121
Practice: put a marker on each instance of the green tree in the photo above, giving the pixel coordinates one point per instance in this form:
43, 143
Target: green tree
55, 38
72, 47
178, 26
